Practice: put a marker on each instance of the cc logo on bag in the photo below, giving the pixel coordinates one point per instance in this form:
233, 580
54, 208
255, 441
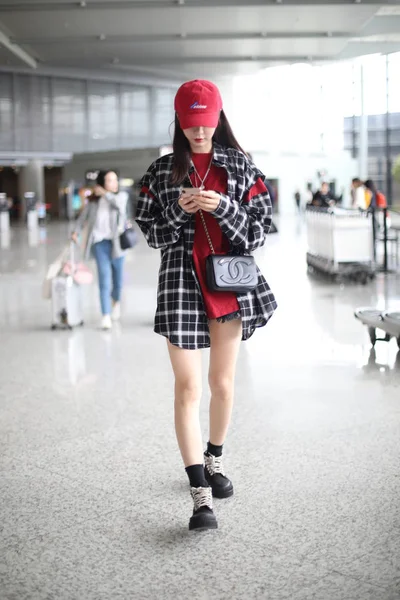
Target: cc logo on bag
236, 272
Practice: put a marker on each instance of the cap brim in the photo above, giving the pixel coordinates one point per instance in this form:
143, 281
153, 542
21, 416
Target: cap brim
199, 119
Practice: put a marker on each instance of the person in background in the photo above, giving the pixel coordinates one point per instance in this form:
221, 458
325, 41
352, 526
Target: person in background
309, 194
358, 194
373, 200
370, 193
324, 197
297, 199
101, 222
374, 197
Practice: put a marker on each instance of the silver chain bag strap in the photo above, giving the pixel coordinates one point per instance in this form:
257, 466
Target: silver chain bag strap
227, 272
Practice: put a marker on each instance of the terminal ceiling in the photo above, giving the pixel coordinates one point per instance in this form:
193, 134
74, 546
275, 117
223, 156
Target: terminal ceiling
176, 40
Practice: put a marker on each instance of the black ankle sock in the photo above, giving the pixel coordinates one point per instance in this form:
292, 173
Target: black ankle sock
214, 450
196, 476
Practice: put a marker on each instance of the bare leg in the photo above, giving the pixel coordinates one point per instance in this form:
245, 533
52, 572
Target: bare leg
225, 343
186, 365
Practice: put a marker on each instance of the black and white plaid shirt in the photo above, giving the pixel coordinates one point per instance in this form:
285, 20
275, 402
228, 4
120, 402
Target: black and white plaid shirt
166, 226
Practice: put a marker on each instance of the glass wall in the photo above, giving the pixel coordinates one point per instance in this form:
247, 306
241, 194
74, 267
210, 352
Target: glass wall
310, 109
135, 115
70, 117
380, 95
163, 115
7, 131
55, 114
296, 108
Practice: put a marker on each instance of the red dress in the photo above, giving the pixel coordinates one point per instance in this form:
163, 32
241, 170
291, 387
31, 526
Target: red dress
216, 304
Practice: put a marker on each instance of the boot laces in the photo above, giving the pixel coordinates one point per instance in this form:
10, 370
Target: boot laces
201, 497
214, 464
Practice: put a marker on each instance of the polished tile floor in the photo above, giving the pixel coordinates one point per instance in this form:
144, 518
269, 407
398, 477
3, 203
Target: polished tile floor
93, 497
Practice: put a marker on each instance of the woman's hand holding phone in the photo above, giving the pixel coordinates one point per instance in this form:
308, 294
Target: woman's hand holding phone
207, 200
186, 200
193, 199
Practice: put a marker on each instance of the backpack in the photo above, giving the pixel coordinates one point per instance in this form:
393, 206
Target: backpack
381, 200
367, 198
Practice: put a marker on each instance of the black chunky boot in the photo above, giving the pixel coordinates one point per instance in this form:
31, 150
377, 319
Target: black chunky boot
203, 516
220, 484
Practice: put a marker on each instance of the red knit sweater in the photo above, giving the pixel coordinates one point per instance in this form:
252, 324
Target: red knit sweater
216, 304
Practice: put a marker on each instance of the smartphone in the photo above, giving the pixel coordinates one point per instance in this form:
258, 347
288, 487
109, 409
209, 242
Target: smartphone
191, 191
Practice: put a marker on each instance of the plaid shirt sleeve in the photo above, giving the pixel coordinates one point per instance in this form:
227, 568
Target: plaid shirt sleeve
247, 224
160, 226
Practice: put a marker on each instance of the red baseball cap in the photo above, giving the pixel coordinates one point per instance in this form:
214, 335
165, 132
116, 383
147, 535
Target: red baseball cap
198, 103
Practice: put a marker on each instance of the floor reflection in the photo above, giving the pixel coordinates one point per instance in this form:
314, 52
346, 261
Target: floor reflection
383, 360
5, 238
33, 237
69, 359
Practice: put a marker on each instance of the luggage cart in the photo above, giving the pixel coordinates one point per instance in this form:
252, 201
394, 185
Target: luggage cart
387, 321
340, 243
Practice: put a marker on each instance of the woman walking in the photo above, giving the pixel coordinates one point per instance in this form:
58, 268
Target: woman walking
102, 220
228, 211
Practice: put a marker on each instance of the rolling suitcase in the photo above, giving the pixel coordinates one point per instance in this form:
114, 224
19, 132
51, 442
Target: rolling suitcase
66, 300
66, 303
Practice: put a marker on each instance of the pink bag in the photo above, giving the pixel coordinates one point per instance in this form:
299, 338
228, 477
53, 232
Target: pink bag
80, 273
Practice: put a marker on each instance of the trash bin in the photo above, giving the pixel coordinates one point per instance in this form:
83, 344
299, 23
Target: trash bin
4, 213
31, 210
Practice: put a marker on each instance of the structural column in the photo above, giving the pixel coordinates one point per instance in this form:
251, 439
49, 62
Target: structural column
389, 181
31, 179
363, 136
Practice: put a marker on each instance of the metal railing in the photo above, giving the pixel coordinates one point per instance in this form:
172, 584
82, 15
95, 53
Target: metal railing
387, 220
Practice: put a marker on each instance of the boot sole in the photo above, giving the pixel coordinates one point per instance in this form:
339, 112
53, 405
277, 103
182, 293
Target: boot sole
217, 493
199, 529
202, 522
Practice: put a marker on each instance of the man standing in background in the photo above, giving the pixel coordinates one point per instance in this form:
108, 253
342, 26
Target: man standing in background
297, 199
358, 199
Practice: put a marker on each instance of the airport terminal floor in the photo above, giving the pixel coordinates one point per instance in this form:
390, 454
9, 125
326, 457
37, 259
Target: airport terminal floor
94, 498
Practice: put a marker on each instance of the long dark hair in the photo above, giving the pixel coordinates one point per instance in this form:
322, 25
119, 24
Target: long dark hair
101, 177
370, 185
100, 180
223, 136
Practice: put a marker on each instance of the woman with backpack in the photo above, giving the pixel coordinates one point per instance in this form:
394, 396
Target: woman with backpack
206, 208
375, 198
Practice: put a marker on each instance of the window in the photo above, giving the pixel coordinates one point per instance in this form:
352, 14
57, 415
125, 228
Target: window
374, 70
6, 113
23, 121
163, 99
394, 87
103, 115
135, 116
41, 114
69, 115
